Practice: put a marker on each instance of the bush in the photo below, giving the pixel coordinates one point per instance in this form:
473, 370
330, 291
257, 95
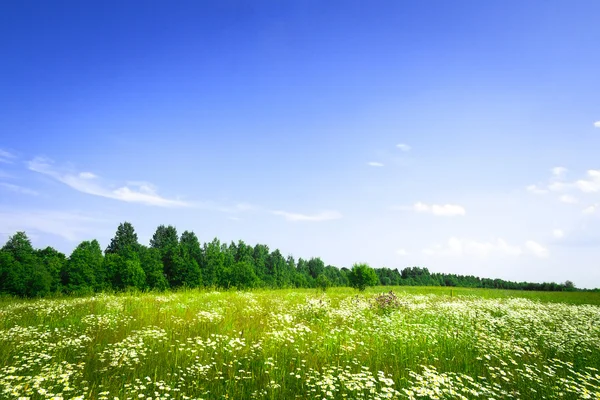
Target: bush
362, 276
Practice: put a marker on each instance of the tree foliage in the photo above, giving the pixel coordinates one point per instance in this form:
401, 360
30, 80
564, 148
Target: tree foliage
171, 261
361, 276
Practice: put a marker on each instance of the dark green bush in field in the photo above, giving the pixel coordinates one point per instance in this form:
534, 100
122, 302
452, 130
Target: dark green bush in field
362, 276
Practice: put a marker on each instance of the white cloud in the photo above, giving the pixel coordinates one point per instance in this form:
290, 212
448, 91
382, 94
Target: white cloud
537, 249
591, 209
568, 199
18, 189
322, 216
403, 147
83, 182
535, 189
597, 124
446, 210
6, 157
558, 233
557, 186
87, 175
458, 247
69, 225
559, 172
375, 164
402, 252
590, 185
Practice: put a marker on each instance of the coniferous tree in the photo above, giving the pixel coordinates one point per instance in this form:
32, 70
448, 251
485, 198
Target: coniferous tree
125, 240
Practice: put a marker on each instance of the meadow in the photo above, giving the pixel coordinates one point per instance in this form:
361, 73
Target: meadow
413, 343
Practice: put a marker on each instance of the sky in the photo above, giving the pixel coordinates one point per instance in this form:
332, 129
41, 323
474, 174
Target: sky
459, 136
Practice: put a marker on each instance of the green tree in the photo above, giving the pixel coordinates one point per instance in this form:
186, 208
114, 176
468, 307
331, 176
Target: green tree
26, 276
81, 269
166, 241
187, 269
362, 276
125, 240
152, 265
54, 262
125, 271
213, 262
322, 282
316, 266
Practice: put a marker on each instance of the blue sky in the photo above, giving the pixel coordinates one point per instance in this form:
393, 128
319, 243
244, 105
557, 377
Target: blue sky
461, 136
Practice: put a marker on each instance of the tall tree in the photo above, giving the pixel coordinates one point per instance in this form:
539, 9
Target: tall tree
27, 276
166, 240
125, 240
165, 237
54, 262
315, 267
187, 267
152, 265
79, 274
213, 262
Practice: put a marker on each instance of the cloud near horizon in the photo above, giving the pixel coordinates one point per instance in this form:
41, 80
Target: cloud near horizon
322, 216
460, 247
87, 182
71, 226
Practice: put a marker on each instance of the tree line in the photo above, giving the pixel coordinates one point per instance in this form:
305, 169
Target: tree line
175, 261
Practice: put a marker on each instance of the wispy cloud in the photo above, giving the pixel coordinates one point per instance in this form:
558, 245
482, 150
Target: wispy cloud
597, 124
87, 182
7, 157
568, 199
591, 209
69, 225
296, 217
558, 233
559, 172
536, 189
445, 210
403, 147
402, 252
458, 247
536, 249
18, 189
374, 164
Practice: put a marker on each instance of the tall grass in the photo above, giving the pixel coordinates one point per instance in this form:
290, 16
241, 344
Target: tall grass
285, 344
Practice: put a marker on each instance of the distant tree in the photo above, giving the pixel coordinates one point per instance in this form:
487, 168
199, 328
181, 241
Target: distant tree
166, 241
187, 269
125, 270
322, 282
165, 237
213, 262
315, 267
125, 240
241, 275
54, 262
152, 265
362, 276
81, 269
569, 286
26, 276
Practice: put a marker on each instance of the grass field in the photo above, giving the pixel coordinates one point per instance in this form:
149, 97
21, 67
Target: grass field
283, 344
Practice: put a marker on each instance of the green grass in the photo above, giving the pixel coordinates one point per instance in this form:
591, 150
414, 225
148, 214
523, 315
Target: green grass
280, 344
